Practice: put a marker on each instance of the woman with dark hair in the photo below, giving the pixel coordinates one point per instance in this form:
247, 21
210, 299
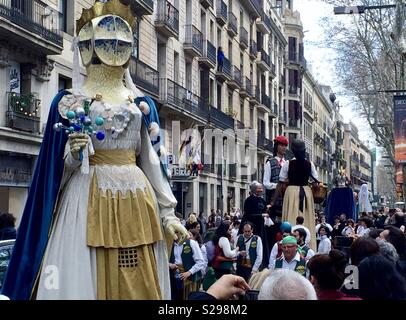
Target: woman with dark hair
379, 280
7, 226
327, 274
362, 248
298, 199
224, 256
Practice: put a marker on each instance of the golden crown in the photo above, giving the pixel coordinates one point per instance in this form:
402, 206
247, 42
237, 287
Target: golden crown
119, 8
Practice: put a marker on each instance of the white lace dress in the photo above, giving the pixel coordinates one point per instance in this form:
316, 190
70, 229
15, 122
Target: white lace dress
69, 269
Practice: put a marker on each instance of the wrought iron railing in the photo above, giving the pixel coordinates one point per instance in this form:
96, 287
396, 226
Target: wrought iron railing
180, 97
266, 100
243, 36
209, 51
275, 108
221, 10
226, 68
168, 15
23, 112
232, 22
247, 86
144, 76
265, 57
221, 119
253, 48
34, 16
194, 37
236, 75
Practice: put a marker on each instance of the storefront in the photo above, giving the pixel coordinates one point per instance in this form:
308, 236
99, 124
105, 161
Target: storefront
15, 178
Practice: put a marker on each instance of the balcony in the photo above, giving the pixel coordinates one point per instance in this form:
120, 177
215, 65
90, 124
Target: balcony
167, 20
206, 3
295, 58
221, 13
224, 72
193, 44
208, 57
282, 81
274, 110
235, 81
283, 118
232, 24
23, 112
294, 124
272, 74
264, 23
243, 38
365, 165
232, 171
265, 104
355, 173
220, 120
340, 141
253, 50
145, 77
264, 143
246, 87
143, 7
32, 24
294, 90
208, 168
253, 7
264, 61
256, 95
181, 99
365, 178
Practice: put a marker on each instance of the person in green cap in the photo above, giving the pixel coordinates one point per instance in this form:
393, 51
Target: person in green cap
291, 258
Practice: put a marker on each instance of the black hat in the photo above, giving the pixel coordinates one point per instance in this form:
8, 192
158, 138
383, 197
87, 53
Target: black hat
298, 145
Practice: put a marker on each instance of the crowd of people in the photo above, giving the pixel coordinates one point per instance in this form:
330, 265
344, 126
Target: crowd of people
279, 238
234, 255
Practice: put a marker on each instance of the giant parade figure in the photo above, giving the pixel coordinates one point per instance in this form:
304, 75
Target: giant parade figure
341, 199
100, 211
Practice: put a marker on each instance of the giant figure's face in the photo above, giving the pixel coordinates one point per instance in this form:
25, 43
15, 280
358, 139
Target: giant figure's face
109, 38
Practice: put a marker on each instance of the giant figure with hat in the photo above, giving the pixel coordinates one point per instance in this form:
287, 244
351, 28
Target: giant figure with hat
298, 199
272, 169
100, 210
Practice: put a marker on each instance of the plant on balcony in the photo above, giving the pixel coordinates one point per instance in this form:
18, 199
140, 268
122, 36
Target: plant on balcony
24, 104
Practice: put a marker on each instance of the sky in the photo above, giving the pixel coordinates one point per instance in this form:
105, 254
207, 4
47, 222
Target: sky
321, 59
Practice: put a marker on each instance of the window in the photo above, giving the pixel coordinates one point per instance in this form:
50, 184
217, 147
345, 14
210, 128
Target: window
188, 76
292, 49
136, 34
212, 92
219, 89
176, 67
63, 23
64, 83
242, 111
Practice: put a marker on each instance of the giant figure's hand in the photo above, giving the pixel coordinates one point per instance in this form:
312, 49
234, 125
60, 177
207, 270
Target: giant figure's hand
178, 232
77, 141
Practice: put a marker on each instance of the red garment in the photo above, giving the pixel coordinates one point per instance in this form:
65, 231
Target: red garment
334, 295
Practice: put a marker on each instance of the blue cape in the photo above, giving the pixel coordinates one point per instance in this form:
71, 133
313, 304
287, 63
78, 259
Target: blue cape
340, 200
32, 235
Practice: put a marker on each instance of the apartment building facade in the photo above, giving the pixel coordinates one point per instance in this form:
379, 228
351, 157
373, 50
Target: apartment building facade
359, 158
